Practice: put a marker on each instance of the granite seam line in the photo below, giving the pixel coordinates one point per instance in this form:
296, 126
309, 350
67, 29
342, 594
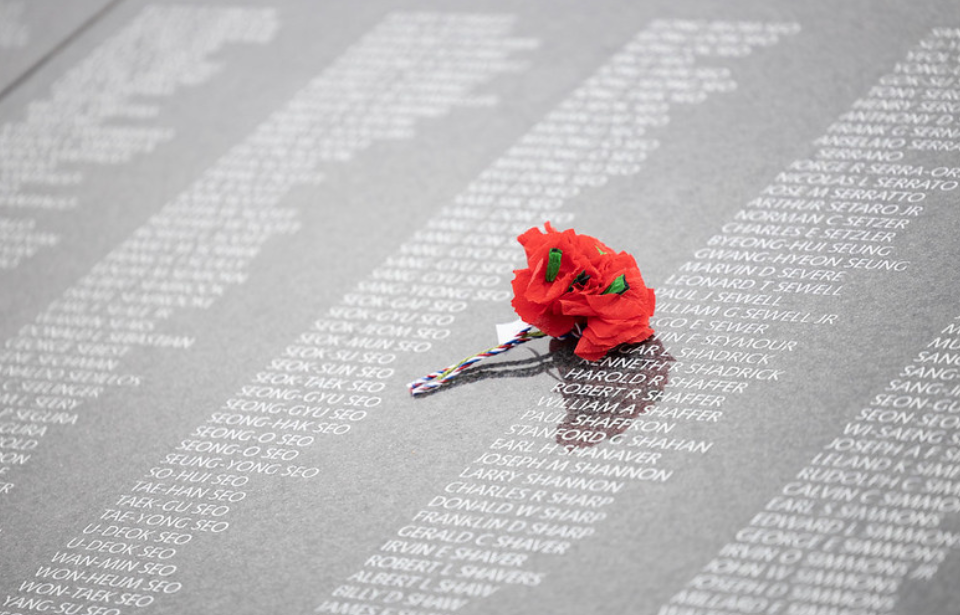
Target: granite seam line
59, 47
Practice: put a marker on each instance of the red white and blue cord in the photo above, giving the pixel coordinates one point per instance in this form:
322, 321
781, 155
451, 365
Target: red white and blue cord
435, 380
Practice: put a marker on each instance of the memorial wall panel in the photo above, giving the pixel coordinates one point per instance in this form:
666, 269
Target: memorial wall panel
232, 232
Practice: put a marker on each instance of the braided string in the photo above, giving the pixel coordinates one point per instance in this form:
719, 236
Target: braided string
435, 380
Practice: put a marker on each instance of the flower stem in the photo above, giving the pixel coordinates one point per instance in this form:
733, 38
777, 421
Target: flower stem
435, 380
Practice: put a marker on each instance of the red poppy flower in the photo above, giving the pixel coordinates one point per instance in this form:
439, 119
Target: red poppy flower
576, 280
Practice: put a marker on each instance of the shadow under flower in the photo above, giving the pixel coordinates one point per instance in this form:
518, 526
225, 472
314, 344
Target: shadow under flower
599, 399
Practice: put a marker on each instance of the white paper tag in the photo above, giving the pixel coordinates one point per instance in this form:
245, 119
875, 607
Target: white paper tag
509, 330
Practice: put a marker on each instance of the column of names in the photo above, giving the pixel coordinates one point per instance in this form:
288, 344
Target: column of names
186, 257
104, 112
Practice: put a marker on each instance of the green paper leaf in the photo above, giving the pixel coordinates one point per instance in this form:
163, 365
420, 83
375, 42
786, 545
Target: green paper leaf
553, 264
619, 286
